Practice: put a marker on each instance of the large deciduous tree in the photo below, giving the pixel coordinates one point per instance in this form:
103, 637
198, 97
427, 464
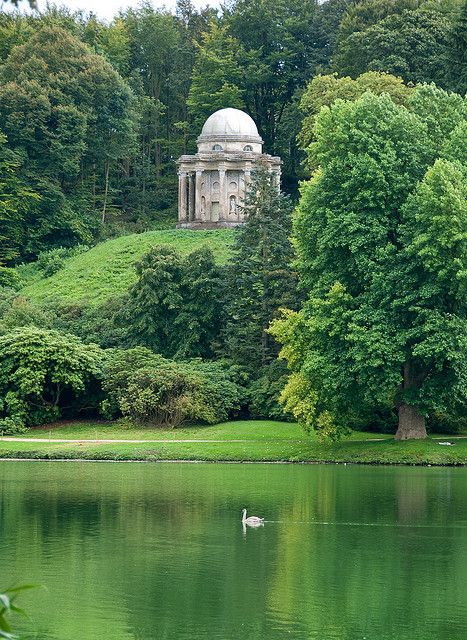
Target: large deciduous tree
323, 90
381, 237
69, 115
43, 373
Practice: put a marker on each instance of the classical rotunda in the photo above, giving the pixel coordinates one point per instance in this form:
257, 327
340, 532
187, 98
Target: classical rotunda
212, 183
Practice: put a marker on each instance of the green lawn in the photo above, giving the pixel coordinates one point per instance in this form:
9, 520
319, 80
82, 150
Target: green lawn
108, 269
260, 441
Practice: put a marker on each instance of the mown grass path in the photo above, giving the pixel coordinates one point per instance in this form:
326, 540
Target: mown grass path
239, 441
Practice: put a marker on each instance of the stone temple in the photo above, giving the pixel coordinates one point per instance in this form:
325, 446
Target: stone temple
212, 183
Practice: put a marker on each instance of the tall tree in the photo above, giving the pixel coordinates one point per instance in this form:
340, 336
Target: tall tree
412, 44
260, 277
277, 56
377, 251
458, 52
16, 201
176, 306
217, 76
69, 114
324, 90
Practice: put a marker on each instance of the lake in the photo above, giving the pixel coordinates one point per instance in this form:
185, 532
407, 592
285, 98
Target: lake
157, 551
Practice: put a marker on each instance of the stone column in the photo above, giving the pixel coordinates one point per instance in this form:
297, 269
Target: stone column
191, 198
182, 208
198, 175
247, 179
208, 193
223, 204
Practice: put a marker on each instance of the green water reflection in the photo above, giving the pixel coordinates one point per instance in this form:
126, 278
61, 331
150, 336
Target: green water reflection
157, 551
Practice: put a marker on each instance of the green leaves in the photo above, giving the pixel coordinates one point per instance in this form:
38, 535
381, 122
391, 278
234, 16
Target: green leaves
8, 606
381, 236
412, 44
176, 306
42, 370
260, 277
160, 392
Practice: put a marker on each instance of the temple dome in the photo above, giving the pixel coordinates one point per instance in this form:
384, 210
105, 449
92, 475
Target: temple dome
230, 123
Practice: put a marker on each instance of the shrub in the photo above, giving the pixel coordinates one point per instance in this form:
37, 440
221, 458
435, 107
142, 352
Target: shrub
264, 392
49, 262
152, 390
9, 278
12, 426
99, 325
21, 312
44, 373
120, 365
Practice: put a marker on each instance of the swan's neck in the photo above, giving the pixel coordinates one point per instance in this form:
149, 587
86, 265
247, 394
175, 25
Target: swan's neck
244, 515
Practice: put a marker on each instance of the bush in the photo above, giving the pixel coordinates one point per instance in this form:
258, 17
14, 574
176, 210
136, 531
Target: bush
21, 312
152, 390
44, 373
120, 365
49, 262
9, 278
12, 427
99, 325
453, 423
264, 392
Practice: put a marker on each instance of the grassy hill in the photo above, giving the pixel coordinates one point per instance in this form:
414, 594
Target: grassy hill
108, 269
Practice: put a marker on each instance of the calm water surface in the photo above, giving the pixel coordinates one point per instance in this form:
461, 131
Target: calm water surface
157, 551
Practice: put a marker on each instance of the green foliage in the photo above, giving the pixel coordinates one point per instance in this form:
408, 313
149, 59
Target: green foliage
412, 44
9, 278
380, 235
159, 392
100, 325
12, 427
216, 77
108, 269
441, 111
49, 262
43, 373
458, 52
175, 307
8, 606
361, 15
21, 312
259, 277
119, 367
16, 201
271, 76
55, 112
263, 392
325, 90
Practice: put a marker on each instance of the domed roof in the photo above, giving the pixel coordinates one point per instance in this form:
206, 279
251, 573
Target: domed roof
230, 123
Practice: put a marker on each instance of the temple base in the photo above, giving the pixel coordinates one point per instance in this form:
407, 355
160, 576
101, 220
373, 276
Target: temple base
208, 225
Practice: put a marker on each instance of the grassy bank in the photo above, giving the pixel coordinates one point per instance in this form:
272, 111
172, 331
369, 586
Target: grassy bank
108, 269
242, 441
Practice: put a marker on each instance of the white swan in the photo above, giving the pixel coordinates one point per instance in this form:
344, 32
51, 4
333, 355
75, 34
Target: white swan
252, 521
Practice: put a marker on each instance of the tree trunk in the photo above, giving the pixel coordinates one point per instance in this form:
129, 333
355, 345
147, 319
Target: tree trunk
106, 171
411, 424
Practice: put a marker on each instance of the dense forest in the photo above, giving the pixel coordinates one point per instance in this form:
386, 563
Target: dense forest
93, 115
364, 100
